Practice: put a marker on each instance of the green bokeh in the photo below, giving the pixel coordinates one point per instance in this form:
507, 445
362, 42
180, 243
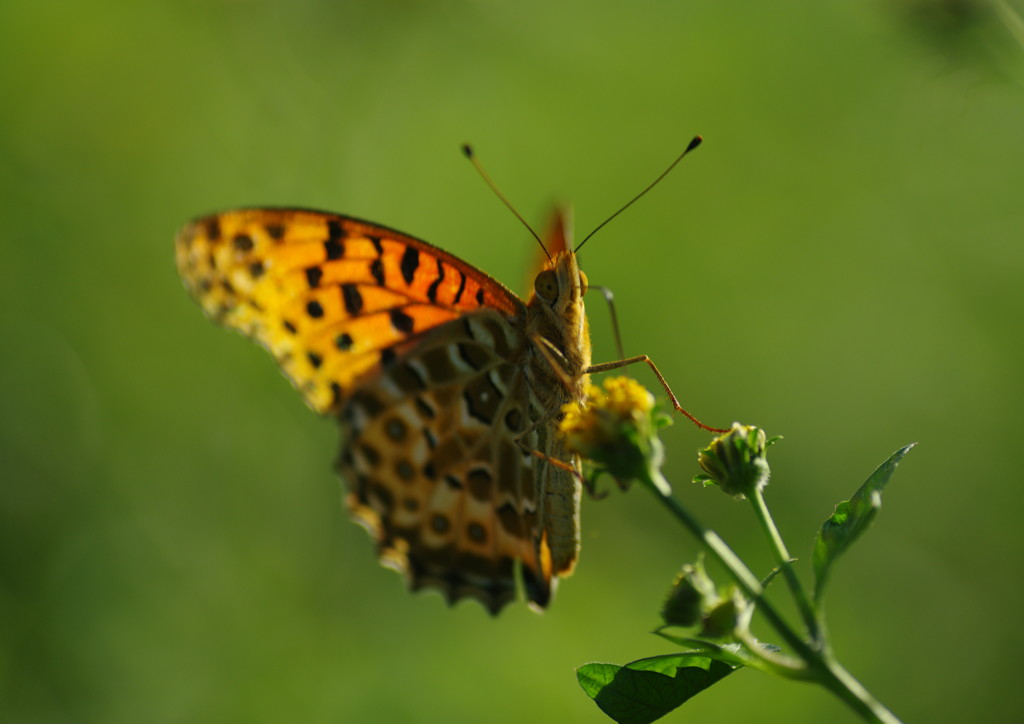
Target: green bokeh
841, 262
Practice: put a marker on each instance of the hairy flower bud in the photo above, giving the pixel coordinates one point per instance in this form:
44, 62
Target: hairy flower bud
736, 461
686, 601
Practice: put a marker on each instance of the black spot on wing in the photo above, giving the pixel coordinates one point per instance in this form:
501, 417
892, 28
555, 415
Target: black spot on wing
509, 519
335, 231
377, 271
396, 429
474, 355
453, 482
514, 420
367, 403
211, 227
401, 321
352, 299
432, 289
408, 379
343, 342
462, 287
370, 454
334, 249
476, 532
483, 399
410, 263
380, 498
424, 409
480, 483
439, 523
404, 469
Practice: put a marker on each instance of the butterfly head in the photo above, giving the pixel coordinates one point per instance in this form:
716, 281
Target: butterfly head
560, 285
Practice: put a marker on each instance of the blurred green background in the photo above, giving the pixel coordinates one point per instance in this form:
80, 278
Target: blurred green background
841, 263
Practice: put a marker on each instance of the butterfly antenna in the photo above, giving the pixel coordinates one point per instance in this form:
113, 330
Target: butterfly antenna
692, 145
467, 150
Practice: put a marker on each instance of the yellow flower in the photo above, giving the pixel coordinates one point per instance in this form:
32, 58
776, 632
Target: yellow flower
615, 429
599, 422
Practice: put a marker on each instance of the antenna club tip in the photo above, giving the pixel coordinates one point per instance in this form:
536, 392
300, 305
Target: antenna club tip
697, 140
467, 150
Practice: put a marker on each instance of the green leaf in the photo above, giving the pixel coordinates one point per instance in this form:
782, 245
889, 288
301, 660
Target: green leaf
851, 518
648, 689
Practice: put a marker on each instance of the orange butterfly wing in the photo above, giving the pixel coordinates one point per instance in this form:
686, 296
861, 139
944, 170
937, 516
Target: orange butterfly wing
332, 298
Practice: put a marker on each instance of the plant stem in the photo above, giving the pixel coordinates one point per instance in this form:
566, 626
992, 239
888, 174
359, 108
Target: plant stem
843, 684
738, 569
785, 562
820, 664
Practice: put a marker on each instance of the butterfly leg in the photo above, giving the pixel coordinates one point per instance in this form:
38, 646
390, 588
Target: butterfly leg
549, 351
610, 299
588, 485
618, 364
560, 464
550, 354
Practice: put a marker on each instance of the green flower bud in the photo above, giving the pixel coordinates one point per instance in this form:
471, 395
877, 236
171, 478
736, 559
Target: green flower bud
723, 618
685, 603
736, 461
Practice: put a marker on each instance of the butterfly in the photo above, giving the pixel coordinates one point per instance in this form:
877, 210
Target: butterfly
445, 384
448, 387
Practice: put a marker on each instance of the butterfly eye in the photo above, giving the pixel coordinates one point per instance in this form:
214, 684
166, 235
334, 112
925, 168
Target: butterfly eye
584, 284
546, 285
